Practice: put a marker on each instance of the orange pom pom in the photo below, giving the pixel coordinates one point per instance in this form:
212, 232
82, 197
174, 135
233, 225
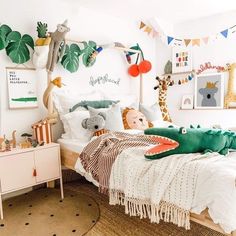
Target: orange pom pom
145, 66
133, 70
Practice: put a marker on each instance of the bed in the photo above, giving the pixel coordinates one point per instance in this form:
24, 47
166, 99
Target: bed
70, 150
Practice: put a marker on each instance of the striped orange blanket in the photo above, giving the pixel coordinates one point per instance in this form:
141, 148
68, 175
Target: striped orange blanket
99, 155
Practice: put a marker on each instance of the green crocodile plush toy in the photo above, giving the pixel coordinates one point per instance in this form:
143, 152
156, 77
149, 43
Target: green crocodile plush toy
193, 140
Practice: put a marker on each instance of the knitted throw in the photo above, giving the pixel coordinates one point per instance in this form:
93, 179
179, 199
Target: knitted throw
157, 189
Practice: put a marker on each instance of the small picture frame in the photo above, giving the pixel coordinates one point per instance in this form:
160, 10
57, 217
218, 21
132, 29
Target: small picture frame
187, 102
22, 88
209, 91
181, 59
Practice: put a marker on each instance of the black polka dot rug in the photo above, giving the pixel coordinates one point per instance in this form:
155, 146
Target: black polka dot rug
42, 213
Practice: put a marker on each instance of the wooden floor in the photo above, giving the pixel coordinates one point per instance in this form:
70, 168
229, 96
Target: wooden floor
113, 221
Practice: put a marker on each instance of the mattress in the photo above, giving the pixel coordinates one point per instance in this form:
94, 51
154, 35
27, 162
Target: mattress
76, 145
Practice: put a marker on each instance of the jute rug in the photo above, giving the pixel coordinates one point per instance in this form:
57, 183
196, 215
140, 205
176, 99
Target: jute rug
113, 220
42, 213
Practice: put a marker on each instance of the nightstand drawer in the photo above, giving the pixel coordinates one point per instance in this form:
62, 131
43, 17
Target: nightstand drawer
47, 164
16, 171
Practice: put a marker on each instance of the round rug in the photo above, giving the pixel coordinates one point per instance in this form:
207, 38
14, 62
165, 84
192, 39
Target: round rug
42, 212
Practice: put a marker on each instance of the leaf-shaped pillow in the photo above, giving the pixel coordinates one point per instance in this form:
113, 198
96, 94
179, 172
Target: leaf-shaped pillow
70, 59
17, 48
4, 31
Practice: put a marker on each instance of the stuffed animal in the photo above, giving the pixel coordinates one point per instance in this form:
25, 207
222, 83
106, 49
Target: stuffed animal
95, 124
133, 119
57, 39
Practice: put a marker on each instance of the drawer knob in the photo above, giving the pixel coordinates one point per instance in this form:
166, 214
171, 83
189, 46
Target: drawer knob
34, 173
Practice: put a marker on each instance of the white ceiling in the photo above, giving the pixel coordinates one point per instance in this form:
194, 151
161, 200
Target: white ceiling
172, 11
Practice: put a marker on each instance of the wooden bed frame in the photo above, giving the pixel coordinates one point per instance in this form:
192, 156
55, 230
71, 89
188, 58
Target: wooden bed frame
69, 158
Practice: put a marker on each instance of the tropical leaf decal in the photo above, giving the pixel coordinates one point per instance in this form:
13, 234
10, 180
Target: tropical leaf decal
87, 52
70, 59
17, 48
4, 31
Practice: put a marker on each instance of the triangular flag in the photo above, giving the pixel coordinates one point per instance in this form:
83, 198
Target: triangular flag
225, 33
169, 39
187, 42
205, 40
155, 33
141, 25
148, 29
196, 42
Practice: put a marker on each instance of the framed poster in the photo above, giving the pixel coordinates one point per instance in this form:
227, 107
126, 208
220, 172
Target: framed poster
187, 101
21, 88
181, 59
209, 91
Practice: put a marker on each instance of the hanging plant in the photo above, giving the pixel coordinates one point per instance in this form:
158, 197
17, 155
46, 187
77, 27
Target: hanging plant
4, 31
70, 59
89, 49
17, 49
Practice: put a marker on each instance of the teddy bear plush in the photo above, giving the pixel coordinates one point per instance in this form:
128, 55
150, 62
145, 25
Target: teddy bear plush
96, 124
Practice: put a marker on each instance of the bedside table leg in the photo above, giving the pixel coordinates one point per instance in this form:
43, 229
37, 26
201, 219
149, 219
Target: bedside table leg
61, 187
1, 207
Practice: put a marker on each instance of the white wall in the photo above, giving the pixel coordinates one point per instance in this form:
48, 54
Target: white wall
220, 52
103, 28
85, 25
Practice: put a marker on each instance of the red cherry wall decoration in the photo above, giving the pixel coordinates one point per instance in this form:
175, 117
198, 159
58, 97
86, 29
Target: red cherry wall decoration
145, 66
133, 70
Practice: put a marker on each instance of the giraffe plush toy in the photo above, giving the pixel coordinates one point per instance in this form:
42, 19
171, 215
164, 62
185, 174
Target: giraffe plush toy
163, 87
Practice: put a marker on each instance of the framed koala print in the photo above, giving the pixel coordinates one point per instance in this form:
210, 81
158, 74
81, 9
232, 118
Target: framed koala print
209, 91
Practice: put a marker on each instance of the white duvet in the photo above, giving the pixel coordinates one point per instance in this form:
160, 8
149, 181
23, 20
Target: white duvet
216, 189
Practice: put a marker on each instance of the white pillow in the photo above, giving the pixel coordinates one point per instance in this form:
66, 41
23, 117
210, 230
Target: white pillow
163, 124
113, 117
73, 125
152, 113
65, 99
126, 100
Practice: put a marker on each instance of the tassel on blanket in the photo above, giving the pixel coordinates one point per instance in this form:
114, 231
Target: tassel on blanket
164, 211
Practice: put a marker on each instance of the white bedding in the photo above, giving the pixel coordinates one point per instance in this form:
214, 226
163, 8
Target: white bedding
215, 187
77, 145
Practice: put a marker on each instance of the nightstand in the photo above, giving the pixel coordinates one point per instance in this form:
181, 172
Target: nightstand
23, 168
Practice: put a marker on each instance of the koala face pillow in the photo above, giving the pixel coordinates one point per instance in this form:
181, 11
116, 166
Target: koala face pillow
95, 124
133, 119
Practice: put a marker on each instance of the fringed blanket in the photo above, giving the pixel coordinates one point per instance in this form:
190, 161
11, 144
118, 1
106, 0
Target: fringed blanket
99, 155
157, 189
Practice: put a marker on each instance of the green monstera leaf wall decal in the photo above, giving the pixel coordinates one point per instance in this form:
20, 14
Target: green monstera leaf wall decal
70, 59
87, 52
4, 31
17, 48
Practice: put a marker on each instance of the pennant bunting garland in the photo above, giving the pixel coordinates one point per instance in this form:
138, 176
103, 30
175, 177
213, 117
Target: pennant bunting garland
141, 25
196, 42
169, 39
205, 40
148, 29
225, 33
185, 42
155, 33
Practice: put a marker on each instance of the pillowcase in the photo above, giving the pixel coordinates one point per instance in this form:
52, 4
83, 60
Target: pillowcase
65, 99
95, 104
163, 124
151, 112
73, 125
126, 100
134, 119
113, 120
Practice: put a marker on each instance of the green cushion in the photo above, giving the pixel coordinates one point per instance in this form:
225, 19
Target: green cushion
95, 104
